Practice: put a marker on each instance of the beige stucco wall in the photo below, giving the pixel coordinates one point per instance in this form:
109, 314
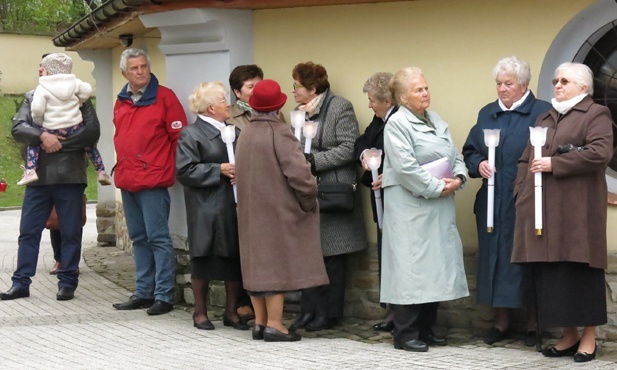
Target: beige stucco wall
455, 42
20, 57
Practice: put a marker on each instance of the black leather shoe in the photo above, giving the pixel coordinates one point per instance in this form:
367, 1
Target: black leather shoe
134, 303
584, 356
65, 294
384, 326
319, 323
554, 352
413, 345
495, 335
159, 307
433, 340
15, 293
531, 338
238, 325
258, 332
273, 335
301, 321
204, 325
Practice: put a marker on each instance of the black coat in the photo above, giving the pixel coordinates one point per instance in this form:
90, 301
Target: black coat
210, 206
372, 138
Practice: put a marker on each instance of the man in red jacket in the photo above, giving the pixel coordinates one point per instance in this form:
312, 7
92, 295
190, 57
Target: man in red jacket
148, 118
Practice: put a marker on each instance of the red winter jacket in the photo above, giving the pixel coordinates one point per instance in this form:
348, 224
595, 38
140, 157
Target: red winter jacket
146, 136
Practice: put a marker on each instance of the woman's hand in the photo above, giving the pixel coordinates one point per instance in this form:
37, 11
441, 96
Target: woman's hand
376, 185
452, 185
485, 169
364, 163
543, 164
229, 170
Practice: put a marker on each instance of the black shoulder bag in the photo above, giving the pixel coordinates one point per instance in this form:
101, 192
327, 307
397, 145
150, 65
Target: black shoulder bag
334, 197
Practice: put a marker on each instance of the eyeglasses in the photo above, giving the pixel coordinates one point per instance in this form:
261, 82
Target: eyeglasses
562, 80
297, 86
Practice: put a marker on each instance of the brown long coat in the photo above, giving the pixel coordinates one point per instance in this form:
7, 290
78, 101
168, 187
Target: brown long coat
574, 193
278, 213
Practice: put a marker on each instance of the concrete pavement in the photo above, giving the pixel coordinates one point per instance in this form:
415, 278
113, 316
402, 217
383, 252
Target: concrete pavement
87, 333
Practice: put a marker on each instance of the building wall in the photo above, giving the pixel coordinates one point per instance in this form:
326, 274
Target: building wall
19, 62
456, 43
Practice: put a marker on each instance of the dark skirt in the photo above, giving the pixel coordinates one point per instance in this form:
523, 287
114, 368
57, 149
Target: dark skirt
216, 268
569, 294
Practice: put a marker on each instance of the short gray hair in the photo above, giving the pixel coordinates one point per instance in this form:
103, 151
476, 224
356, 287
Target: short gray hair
205, 95
513, 66
378, 85
399, 84
578, 73
130, 54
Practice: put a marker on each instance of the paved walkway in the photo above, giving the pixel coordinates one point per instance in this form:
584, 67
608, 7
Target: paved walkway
87, 333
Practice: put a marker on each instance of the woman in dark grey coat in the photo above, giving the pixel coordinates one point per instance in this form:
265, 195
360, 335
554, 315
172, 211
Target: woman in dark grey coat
203, 167
333, 151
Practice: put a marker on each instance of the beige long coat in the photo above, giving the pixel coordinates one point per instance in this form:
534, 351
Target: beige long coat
574, 193
278, 213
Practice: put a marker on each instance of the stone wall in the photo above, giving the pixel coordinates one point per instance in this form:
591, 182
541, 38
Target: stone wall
362, 297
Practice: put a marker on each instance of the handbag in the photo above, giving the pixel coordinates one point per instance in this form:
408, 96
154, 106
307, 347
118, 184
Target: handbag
334, 197
52, 221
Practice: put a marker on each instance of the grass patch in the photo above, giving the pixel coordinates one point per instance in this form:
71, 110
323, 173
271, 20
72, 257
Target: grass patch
10, 158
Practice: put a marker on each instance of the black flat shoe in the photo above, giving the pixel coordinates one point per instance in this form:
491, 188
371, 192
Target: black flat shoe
159, 307
273, 335
384, 326
554, 352
238, 325
65, 294
495, 335
319, 323
301, 321
204, 325
258, 332
413, 345
584, 356
433, 340
134, 303
15, 293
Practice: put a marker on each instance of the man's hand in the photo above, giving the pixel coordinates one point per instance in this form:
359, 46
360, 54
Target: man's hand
50, 143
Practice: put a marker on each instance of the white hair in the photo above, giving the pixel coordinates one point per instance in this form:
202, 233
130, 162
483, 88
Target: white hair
130, 54
513, 66
578, 73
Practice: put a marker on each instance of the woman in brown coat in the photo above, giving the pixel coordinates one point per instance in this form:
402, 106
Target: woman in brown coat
569, 258
278, 214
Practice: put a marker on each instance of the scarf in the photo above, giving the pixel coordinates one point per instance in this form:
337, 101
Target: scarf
310, 107
564, 107
244, 106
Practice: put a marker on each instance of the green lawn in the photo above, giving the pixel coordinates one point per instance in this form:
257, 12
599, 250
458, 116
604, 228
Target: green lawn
10, 158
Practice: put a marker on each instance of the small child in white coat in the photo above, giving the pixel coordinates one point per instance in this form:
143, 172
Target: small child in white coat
55, 106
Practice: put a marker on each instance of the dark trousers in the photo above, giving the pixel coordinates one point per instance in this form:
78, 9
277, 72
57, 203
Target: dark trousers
56, 243
413, 320
38, 202
327, 300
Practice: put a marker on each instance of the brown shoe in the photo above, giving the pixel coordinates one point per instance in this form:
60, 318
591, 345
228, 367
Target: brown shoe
246, 313
54, 270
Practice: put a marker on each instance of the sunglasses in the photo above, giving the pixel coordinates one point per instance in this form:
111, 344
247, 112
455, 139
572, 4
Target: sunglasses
297, 86
562, 80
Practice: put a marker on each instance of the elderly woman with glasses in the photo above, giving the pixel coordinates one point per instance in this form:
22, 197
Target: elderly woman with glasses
383, 104
502, 284
203, 168
422, 257
568, 255
342, 233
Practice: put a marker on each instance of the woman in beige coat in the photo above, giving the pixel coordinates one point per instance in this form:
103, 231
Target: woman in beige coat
278, 214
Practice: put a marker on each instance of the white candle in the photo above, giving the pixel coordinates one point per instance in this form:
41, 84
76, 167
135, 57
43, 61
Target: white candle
491, 140
537, 136
309, 130
373, 162
228, 134
297, 121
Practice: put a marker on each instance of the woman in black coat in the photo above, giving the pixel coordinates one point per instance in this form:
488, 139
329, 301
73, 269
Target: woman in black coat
381, 101
203, 168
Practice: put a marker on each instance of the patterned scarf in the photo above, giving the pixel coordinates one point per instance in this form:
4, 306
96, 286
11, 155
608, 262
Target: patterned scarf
244, 106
